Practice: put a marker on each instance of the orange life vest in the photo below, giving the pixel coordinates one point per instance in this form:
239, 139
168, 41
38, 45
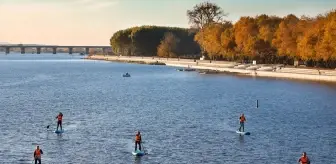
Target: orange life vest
304, 160
242, 118
59, 117
38, 153
137, 137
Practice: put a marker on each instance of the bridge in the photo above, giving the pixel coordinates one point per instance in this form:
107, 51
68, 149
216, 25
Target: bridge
54, 47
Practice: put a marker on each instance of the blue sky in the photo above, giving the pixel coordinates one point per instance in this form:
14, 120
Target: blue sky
92, 22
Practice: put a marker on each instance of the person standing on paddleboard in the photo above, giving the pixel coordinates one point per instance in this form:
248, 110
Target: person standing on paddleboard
304, 159
137, 141
59, 120
37, 154
242, 120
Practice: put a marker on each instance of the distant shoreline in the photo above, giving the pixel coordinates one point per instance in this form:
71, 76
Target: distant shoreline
274, 71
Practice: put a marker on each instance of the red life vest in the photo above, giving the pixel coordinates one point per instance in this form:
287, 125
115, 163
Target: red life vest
59, 117
304, 160
37, 153
137, 137
242, 118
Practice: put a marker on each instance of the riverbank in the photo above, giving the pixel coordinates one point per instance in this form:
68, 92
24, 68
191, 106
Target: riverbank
262, 70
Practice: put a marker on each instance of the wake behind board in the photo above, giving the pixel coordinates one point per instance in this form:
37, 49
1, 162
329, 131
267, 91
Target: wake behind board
59, 131
243, 133
138, 153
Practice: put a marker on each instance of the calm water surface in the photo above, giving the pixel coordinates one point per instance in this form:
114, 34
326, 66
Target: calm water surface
184, 117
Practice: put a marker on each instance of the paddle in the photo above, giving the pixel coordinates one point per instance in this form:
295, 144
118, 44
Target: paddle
49, 125
142, 145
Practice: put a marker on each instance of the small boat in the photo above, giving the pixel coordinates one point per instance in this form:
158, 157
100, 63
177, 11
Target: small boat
186, 69
179, 69
126, 75
189, 69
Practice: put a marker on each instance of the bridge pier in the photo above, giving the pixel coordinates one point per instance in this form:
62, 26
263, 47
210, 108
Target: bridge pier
38, 50
23, 51
87, 50
104, 51
54, 50
70, 50
7, 50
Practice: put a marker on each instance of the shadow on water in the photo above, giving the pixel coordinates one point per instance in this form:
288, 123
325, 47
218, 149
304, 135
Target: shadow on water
54, 136
137, 160
241, 139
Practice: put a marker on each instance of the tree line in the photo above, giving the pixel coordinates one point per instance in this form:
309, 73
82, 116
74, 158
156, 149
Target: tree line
153, 41
267, 39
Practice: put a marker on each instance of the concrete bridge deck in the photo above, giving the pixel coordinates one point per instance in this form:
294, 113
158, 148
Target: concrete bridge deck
54, 47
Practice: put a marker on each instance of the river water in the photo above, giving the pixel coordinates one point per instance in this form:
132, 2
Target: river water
184, 117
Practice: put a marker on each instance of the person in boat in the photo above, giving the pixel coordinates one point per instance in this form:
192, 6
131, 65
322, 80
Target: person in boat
59, 118
137, 141
37, 154
242, 119
304, 159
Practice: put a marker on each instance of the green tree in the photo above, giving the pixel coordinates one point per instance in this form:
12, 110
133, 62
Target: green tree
144, 40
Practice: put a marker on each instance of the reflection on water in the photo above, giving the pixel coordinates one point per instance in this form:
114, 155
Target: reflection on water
241, 139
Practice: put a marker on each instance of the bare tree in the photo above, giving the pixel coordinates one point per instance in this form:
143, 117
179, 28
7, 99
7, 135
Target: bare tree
205, 13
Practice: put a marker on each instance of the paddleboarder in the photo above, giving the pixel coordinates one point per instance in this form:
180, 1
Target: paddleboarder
37, 154
242, 119
137, 141
304, 159
59, 118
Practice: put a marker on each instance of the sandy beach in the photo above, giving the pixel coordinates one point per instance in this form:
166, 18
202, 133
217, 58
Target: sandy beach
259, 70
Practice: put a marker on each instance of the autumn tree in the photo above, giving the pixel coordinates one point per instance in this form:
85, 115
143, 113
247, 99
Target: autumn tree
168, 46
268, 39
204, 14
312, 32
210, 38
246, 35
228, 44
267, 25
326, 49
286, 37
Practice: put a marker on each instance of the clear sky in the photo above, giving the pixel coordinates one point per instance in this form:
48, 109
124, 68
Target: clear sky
92, 22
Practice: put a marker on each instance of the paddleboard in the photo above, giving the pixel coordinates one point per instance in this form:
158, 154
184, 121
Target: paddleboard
138, 153
59, 131
243, 133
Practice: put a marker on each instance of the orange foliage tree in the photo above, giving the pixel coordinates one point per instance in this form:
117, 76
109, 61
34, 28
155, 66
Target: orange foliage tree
270, 39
